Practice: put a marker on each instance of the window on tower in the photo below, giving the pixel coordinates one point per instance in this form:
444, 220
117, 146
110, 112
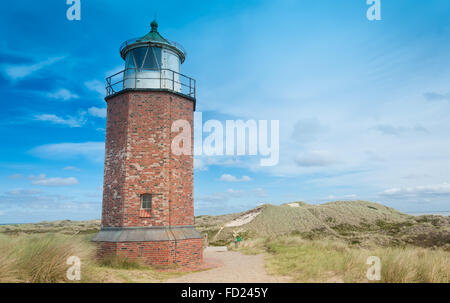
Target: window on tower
146, 201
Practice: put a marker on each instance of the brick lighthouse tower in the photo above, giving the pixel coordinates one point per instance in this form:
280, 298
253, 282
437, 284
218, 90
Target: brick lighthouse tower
148, 209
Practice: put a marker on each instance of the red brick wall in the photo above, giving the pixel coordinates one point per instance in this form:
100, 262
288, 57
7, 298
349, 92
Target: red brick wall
115, 156
181, 252
138, 160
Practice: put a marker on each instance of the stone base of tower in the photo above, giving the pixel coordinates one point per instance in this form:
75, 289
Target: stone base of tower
161, 246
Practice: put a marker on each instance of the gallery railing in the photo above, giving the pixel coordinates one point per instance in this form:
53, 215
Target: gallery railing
138, 78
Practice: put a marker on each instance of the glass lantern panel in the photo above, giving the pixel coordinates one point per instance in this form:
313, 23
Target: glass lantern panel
129, 63
153, 59
139, 56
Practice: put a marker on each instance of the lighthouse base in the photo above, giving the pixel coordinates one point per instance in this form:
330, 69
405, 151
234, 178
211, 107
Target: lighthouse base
162, 246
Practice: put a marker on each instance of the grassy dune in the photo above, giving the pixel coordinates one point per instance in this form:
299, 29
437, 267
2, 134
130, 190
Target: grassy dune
63, 227
356, 222
330, 260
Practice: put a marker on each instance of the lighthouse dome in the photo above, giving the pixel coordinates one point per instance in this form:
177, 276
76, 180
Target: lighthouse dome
154, 38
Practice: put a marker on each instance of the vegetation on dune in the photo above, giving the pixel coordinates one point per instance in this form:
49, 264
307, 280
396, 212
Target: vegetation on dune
42, 258
39, 258
330, 260
356, 222
62, 226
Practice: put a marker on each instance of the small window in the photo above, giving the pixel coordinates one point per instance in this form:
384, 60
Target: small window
146, 201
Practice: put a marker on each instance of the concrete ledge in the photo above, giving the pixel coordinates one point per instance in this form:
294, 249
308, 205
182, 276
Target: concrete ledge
146, 234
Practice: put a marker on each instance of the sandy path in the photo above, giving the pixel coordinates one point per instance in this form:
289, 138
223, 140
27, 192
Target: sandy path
236, 268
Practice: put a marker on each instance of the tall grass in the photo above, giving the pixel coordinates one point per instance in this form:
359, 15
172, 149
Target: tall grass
43, 257
329, 260
40, 258
121, 262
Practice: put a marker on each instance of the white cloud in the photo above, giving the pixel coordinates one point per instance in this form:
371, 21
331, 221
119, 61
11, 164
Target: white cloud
221, 196
71, 168
17, 72
306, 130
339, 197
96, 86
199, 164
68, 120
23, 192
91, 150
16, 176
44, 181
260, 192
231, 178
315, 158
442, 189
97, 112
387, 129
432, 96
62, 93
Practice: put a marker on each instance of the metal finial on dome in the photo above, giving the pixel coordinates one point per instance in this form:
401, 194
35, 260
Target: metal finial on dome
154, 26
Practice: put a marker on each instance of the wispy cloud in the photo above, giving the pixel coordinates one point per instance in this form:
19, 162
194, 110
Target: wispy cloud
260, 192
387, 129
67, 121
339, 197
423, 191
307, 130
221, 196
90, 150
71, 168
17, 72
44, 181
96, 86
431, 96
97, 112
231, 178
62, 93
315, 158
23, 192
199, 164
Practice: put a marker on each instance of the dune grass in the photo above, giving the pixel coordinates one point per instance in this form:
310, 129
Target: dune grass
330, 260
40, 258
121, 262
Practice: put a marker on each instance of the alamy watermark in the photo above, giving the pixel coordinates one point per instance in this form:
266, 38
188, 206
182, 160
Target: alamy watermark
374, 11
73, 273
234, 138
74, 10
374, 271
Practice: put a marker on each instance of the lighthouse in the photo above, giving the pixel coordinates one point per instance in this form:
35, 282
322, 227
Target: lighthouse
147, 210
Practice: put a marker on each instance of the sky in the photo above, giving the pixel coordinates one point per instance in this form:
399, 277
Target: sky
363, 106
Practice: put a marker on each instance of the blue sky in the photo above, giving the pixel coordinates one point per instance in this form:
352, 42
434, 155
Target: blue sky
363, 105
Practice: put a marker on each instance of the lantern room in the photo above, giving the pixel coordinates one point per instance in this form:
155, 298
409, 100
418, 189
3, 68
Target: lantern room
151, 62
